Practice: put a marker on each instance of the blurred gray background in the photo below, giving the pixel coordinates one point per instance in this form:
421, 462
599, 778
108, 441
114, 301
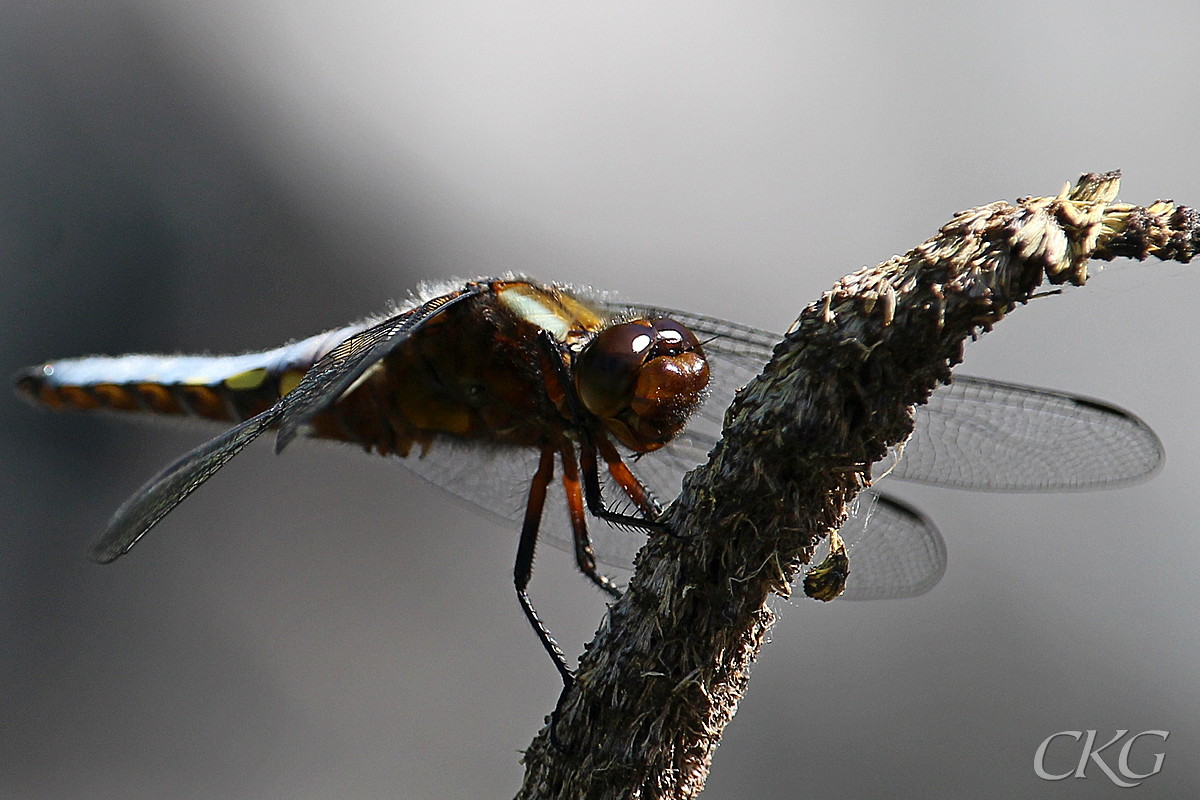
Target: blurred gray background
230, 175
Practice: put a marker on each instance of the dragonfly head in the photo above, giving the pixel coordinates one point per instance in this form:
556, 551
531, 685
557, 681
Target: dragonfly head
643, 379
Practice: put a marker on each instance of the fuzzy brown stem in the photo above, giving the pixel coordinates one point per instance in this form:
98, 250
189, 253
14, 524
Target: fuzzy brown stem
671, 661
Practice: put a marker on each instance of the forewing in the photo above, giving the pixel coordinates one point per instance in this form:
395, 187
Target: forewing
168, 488
988, 435
337, 372
974, 433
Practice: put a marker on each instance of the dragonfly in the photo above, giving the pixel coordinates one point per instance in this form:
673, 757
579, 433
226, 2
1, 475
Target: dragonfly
488, 387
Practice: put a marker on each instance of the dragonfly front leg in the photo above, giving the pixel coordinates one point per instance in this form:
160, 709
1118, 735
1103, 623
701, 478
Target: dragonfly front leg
523, 569
585, 557
625, 479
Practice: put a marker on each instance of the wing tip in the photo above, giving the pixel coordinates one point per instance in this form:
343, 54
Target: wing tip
285, 435
104, 553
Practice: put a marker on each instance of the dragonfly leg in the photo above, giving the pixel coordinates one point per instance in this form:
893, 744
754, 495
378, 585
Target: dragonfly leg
628, 482
630, 485
524, 566
585, 557
634, 489
555, 717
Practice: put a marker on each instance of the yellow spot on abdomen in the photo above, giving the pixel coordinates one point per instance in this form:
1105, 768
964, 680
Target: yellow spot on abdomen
251, 379
289, 380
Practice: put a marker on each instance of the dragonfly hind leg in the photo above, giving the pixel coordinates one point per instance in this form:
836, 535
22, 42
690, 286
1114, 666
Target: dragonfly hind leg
523, 569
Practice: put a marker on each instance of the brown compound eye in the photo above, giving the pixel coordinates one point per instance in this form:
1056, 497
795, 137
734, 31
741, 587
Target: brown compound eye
643, 378
607, 369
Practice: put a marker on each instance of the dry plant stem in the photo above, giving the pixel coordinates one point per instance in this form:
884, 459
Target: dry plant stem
671, 661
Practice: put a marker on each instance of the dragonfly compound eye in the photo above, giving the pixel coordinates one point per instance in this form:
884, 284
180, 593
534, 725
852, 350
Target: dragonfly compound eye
644, 379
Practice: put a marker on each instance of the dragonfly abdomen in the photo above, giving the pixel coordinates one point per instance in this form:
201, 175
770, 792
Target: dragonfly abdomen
221, 388
143, 384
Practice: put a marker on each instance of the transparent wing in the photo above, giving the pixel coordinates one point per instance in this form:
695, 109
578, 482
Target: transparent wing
972, 434
895, 551
988, 435
168, 488
336, 371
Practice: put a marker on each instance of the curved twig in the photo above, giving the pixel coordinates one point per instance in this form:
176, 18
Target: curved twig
670, 662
